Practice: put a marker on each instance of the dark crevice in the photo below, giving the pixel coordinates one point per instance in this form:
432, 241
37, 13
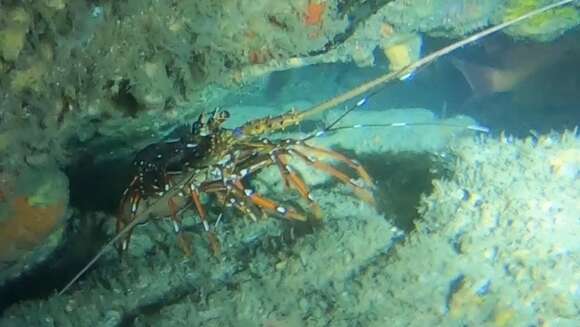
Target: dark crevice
125, 100
97, 186
401, 179
45, 278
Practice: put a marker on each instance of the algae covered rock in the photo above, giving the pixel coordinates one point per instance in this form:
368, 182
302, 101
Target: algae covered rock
497, 243
544, 27
14, 24
257, 271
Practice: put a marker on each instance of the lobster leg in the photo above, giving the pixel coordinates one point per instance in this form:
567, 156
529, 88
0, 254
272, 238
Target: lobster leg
174, 215
194, 193
293, 179
266, 204
242, 201
360, 192
277, 155
214, 243
245, 199
302, 150
340, 157
182, 240
124, 219
223, 192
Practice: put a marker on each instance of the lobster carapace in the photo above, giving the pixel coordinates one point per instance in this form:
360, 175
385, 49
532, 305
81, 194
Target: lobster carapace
207, 158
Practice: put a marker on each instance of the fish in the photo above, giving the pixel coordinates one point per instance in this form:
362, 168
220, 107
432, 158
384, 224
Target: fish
513, 64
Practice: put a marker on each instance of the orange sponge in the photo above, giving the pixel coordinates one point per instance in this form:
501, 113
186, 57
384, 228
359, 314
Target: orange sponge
26, 228
32, 211
314, 13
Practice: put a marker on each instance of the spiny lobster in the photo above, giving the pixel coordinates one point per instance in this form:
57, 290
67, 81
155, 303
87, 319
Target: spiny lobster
214, 160
211, 159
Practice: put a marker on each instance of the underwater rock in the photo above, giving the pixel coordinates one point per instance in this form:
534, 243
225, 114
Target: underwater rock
128, 70
495, 244
14, 24
154, 274
342, 271
506, 223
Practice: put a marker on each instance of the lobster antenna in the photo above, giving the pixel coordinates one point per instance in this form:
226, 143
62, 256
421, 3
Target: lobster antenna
331, 128
142, 218
101, 252
408, 70
476, 128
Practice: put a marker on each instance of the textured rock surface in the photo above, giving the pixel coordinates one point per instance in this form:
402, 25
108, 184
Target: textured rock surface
112, 75
496, 244
86, 83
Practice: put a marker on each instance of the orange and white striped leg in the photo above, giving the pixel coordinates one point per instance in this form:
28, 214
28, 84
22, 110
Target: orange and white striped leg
183, 242
293, 180
361, 192
264, 203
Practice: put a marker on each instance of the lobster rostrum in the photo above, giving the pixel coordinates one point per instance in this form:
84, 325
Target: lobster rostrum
207, 158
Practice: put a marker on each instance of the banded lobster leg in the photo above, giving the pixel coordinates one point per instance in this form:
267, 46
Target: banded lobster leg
293, 180
249, 202
312, 156
194, 194
302, 150
278, 153
265, 203
183, 195
135, 204
175, 193
128, 207
182, 240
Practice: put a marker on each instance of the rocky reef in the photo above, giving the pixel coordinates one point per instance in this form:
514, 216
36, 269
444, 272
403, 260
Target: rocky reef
85, 84
493, 243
